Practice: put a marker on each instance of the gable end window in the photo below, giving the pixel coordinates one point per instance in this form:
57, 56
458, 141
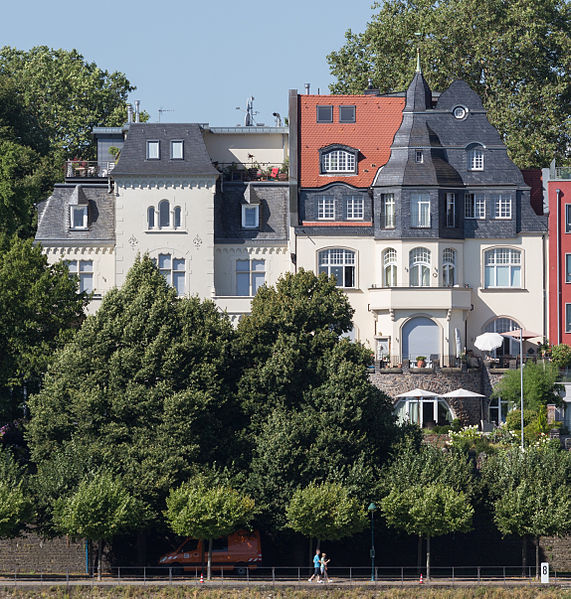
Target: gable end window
346, 114
476, 159
177, 149
325, 114
153, 150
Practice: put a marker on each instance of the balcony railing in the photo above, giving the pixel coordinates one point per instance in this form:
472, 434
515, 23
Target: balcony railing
264, 171
88, 168
560, 173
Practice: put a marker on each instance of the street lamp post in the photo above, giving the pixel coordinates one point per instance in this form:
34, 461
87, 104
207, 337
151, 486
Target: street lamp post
521, 383
372, 508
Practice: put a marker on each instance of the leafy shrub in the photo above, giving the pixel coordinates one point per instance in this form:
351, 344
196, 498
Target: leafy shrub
561, 355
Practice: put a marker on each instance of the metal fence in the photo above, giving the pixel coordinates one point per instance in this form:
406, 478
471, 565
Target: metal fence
382, 575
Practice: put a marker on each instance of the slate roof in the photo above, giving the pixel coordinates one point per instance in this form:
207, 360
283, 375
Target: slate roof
195, 161
377, 119
273, 201
54, 216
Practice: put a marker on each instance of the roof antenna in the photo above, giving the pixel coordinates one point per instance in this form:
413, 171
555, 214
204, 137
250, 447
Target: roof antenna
249, 112
161, 110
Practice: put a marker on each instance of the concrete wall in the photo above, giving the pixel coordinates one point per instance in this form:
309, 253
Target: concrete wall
247, 148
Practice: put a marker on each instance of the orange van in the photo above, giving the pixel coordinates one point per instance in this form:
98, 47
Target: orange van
239, 551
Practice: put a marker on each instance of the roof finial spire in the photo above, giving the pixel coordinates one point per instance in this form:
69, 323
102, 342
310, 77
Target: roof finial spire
418, 69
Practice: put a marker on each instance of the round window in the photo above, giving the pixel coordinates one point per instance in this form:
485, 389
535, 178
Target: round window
460, 112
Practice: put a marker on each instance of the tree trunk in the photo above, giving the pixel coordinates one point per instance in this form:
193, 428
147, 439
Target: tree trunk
419, 554
202, 541
318, 544
99, 558
141, 548
209, 567
523, 555
427, 557
537, 558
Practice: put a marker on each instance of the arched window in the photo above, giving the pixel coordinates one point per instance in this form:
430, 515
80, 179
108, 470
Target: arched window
390, 267
419, 266
449, 267
164, 214
177, 213
340, 263
476, 158
338, 161
502, 268
510, 346
151, 217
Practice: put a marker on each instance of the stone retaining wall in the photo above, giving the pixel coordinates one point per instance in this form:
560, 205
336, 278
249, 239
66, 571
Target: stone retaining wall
557, 552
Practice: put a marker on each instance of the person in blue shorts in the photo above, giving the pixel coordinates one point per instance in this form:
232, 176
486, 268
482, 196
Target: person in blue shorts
316, 566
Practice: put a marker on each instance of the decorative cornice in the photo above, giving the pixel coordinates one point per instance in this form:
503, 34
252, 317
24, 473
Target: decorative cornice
64, 251
252, 250
165, 183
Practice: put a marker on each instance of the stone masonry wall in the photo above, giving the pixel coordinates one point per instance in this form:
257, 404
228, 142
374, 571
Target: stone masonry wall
31, 553
557, 552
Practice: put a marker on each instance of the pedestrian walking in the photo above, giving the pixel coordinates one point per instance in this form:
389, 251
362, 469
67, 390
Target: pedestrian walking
316, 566
324, 562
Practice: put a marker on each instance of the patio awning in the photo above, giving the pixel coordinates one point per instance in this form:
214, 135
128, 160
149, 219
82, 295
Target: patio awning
488, 341
525, 334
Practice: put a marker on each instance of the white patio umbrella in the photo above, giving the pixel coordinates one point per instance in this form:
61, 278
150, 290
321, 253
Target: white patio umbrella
488, 341
418, 393
462, 393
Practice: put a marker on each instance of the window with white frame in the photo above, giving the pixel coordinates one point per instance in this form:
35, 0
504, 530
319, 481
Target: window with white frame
326, 208
567, 218
476, 158
325, 114
502, 205
390, 267
250, 276
568, 318
346, 114
419, 267
151, 217
338, 161
502, 268
420, 210
449, 267
83, 269
418, 156
177, 149
475, 206
568, 268
450, 209
340, 263
173, 270
153, 150
388, 210
250, 216
355, 208
177, 217
164, 214
78, 217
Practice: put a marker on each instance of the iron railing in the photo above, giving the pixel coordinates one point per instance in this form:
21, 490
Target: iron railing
88, 168
263, 171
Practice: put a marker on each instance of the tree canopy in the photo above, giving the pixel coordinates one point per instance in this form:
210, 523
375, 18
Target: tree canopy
515, 55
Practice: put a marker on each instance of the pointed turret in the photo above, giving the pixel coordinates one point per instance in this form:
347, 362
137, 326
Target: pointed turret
418, 94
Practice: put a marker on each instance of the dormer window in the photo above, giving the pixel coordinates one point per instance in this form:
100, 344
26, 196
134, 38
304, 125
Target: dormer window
346, 114
336, 159
250, 216
153, 150
418, 156
476, 158
177, 150
78, 217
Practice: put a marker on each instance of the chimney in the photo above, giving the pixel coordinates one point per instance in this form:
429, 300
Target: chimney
371, 91
129, 113
307, 89
137, 111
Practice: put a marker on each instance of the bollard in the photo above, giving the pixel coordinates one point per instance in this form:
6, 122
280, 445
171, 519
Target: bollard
402, 575
170, 575
273, 575
478, 574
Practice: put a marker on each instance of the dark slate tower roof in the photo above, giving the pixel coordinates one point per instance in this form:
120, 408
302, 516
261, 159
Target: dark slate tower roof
195, 160
418, 94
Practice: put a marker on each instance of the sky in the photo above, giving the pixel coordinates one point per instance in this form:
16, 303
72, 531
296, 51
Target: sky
198, 60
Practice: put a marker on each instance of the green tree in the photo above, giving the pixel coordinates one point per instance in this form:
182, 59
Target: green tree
539, 386
140, 389
561, 355
530, 492
66, 95
16, 508
326, 512
40, 309
313, 413
437, 480
100, 509
203, 511
518, 62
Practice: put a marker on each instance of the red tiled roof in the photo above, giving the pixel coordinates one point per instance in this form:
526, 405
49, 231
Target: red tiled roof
376, 122
532, 177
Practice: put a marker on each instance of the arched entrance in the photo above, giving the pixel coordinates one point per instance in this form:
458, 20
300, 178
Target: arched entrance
420, 337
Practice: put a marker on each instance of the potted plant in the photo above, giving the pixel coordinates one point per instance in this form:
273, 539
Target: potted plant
421, 361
